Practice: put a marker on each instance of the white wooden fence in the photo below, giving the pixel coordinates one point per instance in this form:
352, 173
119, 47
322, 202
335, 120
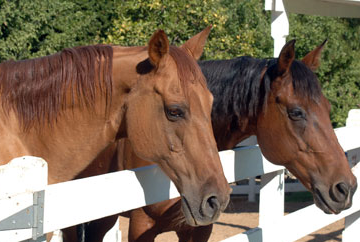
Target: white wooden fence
29, 207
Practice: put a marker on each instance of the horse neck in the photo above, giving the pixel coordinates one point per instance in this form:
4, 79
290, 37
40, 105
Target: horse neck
102, 128
79, 133
223, 77
69, 145
227, 137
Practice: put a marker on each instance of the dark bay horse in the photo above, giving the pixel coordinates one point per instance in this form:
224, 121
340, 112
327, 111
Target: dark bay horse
280, 101
70, 106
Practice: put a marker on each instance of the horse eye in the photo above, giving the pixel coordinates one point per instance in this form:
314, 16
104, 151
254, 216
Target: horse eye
174, 113
296, 114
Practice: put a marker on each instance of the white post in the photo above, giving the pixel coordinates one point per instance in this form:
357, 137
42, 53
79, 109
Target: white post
352, 222
353, 119
114, 234
271, 205
23, 181
279, 24
252, 190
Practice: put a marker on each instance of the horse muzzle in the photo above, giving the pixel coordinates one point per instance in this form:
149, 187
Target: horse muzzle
205, 212
335, 199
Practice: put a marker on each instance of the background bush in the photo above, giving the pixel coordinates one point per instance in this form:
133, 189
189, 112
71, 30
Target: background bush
32, 28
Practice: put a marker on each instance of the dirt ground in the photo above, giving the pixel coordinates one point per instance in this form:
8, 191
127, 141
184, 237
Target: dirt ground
241, 216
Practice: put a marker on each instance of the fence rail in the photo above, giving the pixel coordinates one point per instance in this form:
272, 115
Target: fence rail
83, 200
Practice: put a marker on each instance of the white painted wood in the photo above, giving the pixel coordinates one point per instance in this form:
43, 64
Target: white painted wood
143, 186
40, 239
14, 236
348, 137
280, 8
114, 234
269, 5
352, 228
307, 220
19, 179
353, 119
13, 204
251, 141
86, 199
23, 174
274, 5
295, 187
252, 235
246, 190
279, 24
252, 189
352, 222
245, 162
57, 236
334, 8
353, 156
271, 205
96, 197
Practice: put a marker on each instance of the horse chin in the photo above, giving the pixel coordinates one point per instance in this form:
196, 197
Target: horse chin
189, 217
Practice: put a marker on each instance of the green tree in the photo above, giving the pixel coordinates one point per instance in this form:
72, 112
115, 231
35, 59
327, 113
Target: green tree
37, 28
236, 30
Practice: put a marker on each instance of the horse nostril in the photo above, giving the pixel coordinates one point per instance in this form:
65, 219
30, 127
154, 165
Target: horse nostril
210, 206
343, 189
339, 192
213, 202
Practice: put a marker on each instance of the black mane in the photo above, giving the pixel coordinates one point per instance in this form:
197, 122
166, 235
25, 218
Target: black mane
240, 86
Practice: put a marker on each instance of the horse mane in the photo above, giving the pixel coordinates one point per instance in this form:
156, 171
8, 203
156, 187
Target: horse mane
235, 85
241, 86
185, 64
37, 89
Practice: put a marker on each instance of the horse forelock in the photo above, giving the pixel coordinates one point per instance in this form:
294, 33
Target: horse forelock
305, 82
187, 68
36, 89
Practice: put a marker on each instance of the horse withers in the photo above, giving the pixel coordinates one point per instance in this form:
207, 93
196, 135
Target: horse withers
70, 106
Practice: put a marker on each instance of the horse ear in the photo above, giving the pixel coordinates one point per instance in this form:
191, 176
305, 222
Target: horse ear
158, 47
286, 57
312, 59
195, 45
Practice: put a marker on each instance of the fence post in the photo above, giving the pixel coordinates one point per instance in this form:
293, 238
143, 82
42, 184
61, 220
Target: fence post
22, 199
271, 204
352, 222
279, 24
252, 190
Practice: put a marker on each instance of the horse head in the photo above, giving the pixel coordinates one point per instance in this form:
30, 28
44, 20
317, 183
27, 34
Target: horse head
168, 121
296, 118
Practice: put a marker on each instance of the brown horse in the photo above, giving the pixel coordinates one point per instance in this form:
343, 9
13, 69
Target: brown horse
70, 106
278, 100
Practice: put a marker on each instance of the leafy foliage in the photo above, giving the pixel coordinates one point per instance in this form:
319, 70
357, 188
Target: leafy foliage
236, 30
37, 28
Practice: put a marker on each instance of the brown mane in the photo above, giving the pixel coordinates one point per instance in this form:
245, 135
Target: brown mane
36, 89
185, 64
